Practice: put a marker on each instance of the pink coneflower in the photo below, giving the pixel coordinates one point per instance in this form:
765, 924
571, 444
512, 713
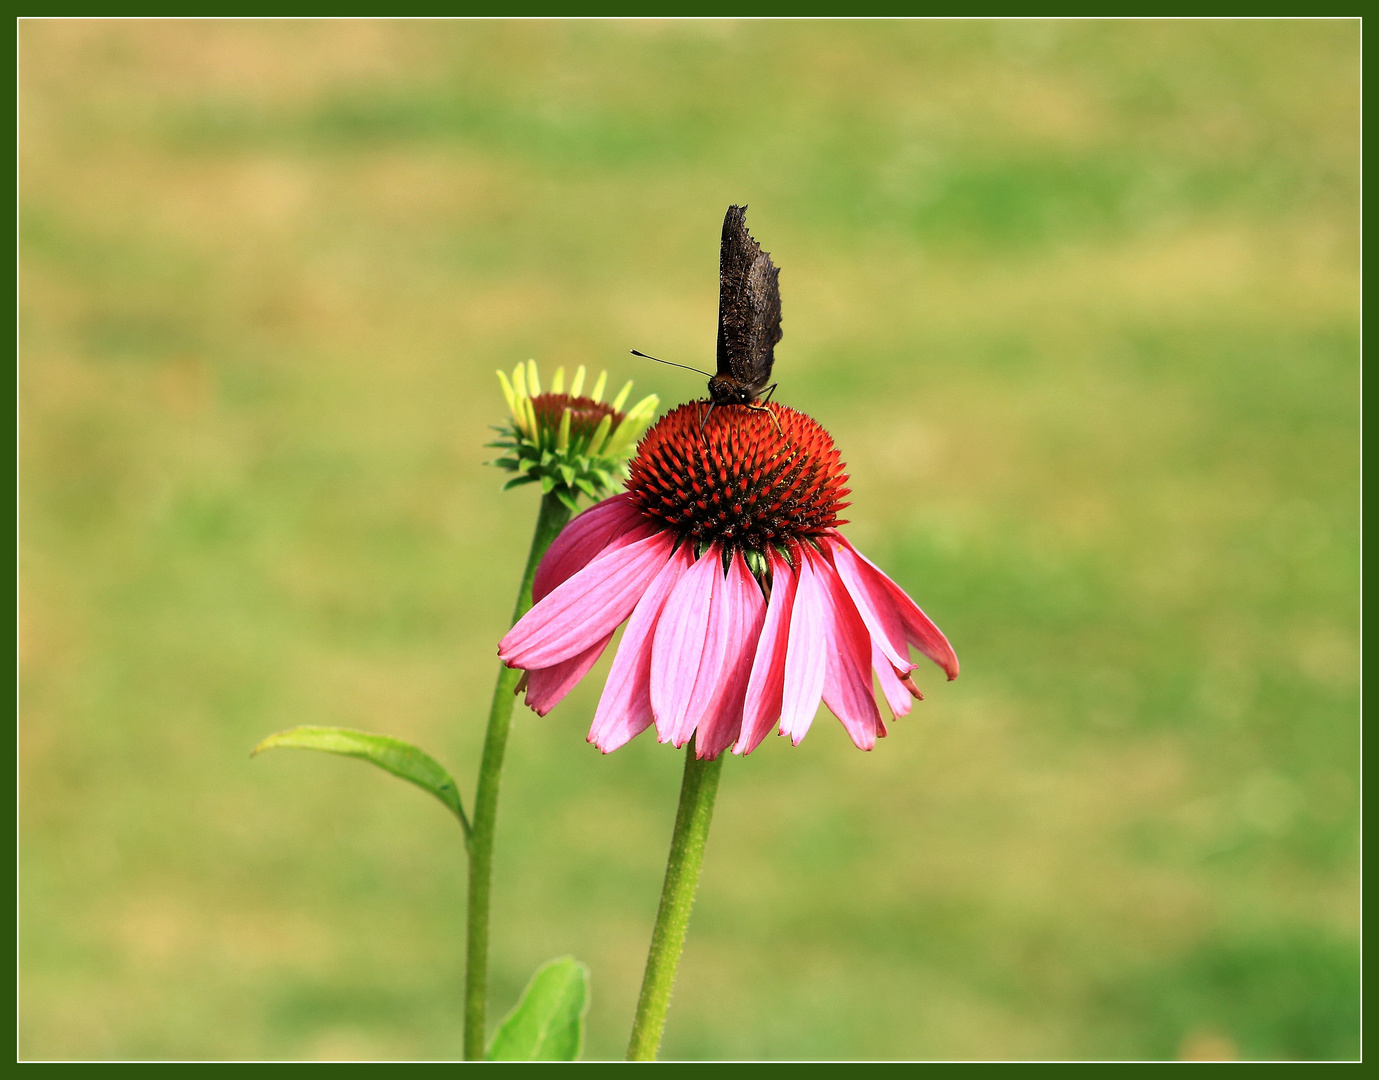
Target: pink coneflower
744, 604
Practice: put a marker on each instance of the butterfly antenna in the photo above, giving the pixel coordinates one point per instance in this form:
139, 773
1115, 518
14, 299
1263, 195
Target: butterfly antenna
671, 363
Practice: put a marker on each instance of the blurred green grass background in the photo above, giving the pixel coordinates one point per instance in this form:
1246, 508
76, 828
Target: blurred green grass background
1079, 302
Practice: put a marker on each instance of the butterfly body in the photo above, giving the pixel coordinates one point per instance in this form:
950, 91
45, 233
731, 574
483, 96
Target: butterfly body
748, 316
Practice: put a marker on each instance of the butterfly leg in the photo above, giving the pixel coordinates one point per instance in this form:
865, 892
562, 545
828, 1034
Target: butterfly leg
705, 418
768, 412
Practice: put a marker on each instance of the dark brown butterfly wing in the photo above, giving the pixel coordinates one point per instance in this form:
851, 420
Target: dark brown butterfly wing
748, 306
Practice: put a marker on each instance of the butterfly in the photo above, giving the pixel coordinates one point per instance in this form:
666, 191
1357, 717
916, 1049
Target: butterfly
748, 319
748, 316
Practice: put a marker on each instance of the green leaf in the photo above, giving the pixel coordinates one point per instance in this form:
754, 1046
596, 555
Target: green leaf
397, 757
525, 478
548, 1022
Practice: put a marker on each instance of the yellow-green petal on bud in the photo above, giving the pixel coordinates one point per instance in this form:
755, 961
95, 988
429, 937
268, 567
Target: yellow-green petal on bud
507, 393
597, 395
562, 438
633, 426
533, 379
519, 380
577, 383
622, 396
647, 405
622, 437
533, 432
558, 381
600, 434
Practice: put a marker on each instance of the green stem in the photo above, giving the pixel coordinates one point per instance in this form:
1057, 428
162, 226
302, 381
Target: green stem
550, 520
692, 819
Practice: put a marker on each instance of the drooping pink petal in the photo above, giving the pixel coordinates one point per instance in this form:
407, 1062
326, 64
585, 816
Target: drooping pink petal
581, 541
805, 654
721, 722
547, 686
847, 674
873, 603
587, 607
678, 647
624, 710
919, 629
712, 662
897, 697
762, 705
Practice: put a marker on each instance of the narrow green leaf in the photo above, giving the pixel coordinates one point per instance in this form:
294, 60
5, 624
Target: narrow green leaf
548, 1022
397, 757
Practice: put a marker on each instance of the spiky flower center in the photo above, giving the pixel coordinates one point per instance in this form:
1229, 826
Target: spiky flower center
743, 479
585, 413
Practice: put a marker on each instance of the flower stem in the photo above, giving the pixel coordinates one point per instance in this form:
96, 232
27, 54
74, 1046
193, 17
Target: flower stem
697, 791
549, 521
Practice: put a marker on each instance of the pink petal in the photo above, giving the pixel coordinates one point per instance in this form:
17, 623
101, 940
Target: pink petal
847, 675
625, 708
762, 704
713, 662
586, 608
547, 686
584, 538
804, 654
873, 602
721, 722
897, 697
919, 629
678, 647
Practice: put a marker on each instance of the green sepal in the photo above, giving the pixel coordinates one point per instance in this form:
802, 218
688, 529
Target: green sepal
567, 496
568, 474
525, 478
392, 755
587, 488
547, 1023
547, 483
